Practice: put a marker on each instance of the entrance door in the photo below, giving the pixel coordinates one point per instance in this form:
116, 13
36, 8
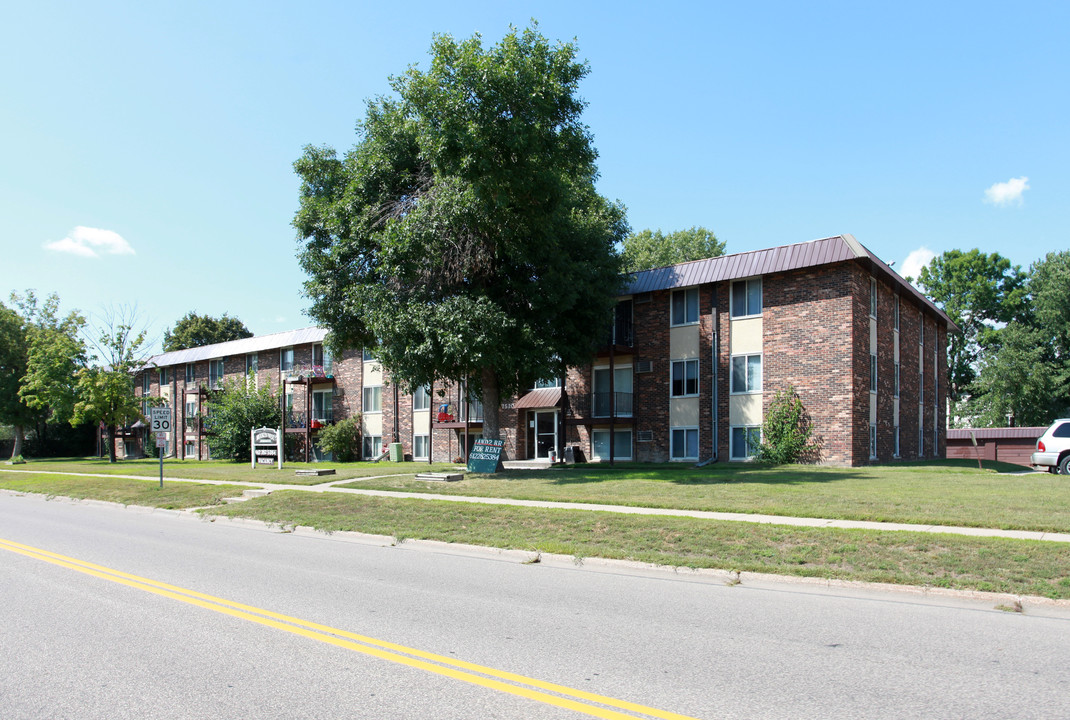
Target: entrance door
543, 428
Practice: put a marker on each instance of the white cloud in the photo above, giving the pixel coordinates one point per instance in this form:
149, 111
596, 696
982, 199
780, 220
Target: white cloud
916, 260
1006, 193
86, 241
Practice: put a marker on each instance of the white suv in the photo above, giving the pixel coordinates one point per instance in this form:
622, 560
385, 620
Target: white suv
1053, 448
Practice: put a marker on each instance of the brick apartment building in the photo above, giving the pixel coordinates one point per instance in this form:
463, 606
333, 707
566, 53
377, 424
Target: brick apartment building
695, 354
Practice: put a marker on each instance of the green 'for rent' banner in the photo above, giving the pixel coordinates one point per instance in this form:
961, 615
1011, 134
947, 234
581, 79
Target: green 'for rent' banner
485, 456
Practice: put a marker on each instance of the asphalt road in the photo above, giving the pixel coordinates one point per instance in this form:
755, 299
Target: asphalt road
258, 623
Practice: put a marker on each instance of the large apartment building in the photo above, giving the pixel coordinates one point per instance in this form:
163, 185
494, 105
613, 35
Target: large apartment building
687, 371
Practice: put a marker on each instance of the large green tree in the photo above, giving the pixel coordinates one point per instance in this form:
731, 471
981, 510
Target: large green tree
648, 249
106, 390
979, 293
1026, 369
233, 413
463, 237
13, 354
193, 330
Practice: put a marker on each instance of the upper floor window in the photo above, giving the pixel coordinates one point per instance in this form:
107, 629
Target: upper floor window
146, 383
191, 373
286, 359
685, 306
252, 363
367, 355
684, 378
421, 398
746, 298
321, 356
873, 297
550, 383
215, 373
895, 320
373, 399
746, 373
163, 377
873, 372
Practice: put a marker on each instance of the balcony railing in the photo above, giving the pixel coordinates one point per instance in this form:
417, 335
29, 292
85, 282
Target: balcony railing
600, 405
621, 332
295, 419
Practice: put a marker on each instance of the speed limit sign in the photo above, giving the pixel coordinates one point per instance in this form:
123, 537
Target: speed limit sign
161, 419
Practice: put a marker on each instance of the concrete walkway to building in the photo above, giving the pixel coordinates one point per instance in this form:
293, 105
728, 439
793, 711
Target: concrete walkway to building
261, 489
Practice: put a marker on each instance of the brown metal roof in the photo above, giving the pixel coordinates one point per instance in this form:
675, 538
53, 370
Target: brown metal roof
541, 398
839, 248
1030, 433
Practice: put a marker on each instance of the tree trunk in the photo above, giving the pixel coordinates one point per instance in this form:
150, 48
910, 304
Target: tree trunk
20, 438
491, 404
111, 443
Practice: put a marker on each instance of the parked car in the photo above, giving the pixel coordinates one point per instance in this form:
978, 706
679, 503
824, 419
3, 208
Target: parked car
1053, 448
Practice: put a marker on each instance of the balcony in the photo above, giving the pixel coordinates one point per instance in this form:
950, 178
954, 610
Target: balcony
299, 421
600, 405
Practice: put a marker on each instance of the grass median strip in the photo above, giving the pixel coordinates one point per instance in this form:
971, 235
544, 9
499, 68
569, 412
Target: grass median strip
934, 493
173, 496
1014, 566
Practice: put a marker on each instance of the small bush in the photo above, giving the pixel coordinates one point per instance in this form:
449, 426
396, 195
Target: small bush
787, 431
342, 439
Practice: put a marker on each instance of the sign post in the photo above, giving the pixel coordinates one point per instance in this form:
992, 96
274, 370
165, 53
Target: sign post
161, 425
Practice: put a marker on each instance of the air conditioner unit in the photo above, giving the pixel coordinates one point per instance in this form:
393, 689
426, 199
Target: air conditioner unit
644, 436
644, 366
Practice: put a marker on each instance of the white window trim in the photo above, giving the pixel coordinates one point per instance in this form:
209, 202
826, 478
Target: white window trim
731, 391
761, 296
427, 444
731, 442
672, 444
698, 377
698, 308
363, 409
372, 438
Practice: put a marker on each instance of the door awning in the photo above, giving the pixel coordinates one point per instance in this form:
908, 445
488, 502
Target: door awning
540, 398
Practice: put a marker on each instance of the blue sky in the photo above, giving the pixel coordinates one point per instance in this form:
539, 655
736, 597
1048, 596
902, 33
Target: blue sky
146, 149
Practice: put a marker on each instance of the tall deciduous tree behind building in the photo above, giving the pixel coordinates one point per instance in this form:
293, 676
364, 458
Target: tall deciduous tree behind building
649, 249
462, 236
194, 330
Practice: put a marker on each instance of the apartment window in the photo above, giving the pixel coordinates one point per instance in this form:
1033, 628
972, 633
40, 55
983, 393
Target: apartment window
191, 373
550, 383
872, 442
622, 444
145, 408
191, 449
421, 398
683, 443
685, 307
684, 378
252, 363
373, 446
323, 406
321, 357
367, 355
895, 320
873, 297
895, 441
873, 372
373, 399
921, 386
191, 411
420, 447
146, 383
215, 373
896, 389
744, 442
163, 377
286, 359
746, 374
746, 298
921, 437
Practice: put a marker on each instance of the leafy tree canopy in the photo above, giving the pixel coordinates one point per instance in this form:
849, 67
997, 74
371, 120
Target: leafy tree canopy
194, 330
978, 292
651, 249
463, 236
235, 412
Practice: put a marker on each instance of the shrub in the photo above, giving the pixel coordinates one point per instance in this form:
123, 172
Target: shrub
787, 431
342, 439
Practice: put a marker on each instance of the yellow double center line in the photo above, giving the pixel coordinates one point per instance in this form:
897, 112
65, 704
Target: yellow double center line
550, 693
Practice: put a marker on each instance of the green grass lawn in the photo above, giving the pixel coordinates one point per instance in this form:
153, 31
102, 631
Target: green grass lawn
229, 471
175, 496
940, 493
1015, 566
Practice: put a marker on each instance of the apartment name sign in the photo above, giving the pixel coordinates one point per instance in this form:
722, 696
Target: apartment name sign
266, 447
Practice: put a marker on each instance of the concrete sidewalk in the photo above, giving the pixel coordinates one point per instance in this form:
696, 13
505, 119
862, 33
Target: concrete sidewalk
261, 489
